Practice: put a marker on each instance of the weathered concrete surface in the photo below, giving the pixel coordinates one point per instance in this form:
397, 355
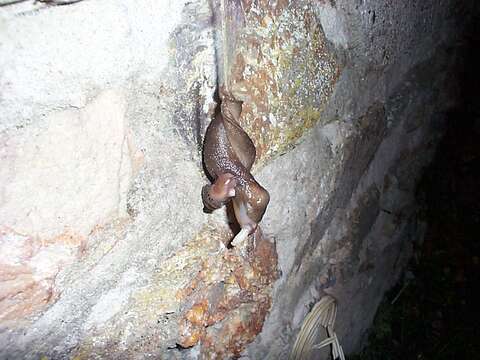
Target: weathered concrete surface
345, 195
104, 249
96, 178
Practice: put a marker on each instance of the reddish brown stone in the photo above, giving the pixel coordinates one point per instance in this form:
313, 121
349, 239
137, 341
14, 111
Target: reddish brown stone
28, 267
233, 293
197, 314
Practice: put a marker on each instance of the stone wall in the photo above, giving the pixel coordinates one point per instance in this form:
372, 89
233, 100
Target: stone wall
104, 249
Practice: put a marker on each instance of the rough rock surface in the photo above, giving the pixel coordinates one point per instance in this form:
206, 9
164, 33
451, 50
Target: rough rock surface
104, 249
225, 305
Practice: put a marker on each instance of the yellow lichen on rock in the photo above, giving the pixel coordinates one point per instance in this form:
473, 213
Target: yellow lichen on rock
285, 73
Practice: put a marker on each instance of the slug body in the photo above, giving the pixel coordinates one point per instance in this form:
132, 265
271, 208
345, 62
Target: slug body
228, 154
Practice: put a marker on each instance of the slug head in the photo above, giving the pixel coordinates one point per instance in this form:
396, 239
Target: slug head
220, 192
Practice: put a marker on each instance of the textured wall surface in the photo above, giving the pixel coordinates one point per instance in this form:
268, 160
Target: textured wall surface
104, 249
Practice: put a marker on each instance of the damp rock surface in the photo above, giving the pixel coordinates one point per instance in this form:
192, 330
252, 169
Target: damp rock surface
105, 252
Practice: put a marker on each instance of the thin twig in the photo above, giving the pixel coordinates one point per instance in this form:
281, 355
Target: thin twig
13, 2
47, 2
400, 292
59, 2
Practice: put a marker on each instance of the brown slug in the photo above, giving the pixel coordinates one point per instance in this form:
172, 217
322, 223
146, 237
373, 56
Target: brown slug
228, 155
